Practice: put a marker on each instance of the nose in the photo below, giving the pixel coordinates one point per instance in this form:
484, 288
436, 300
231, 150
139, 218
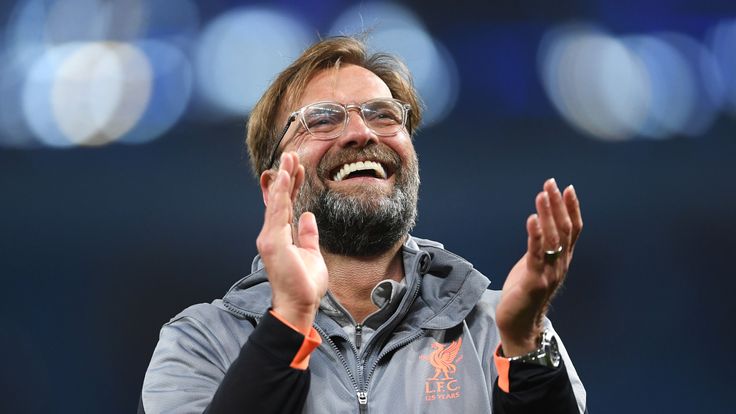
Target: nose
356, 133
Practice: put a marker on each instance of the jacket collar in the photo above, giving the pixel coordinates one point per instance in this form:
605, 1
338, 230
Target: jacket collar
449, 286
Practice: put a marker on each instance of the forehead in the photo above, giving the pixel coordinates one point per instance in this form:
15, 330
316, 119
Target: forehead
348, 84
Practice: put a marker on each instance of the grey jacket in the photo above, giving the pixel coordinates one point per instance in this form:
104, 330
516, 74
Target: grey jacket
433, 355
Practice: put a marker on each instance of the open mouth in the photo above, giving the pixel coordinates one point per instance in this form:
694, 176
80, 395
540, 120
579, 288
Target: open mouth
370, 169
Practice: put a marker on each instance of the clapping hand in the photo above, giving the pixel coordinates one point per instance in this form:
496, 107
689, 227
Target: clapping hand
529, 287
295, 267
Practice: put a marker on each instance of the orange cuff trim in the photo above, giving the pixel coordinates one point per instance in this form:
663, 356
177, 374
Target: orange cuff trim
502, 366
311, 341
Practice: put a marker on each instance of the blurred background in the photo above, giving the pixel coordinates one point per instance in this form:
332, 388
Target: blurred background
126, 195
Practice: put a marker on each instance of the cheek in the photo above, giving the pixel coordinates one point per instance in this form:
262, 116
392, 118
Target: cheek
310, 152
403, 146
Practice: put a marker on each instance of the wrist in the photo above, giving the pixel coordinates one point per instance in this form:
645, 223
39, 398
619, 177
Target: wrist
512, 346
546, 354
300, 318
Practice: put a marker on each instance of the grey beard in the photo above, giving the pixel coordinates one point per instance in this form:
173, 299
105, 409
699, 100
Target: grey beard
361, 225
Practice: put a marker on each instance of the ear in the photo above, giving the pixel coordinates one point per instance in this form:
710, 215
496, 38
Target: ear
267, 178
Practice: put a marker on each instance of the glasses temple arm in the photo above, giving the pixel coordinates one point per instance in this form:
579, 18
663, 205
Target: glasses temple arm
281, 138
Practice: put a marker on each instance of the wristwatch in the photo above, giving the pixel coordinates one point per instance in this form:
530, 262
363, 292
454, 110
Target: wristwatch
547, 355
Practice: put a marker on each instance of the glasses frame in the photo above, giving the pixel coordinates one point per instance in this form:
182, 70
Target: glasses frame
299, 113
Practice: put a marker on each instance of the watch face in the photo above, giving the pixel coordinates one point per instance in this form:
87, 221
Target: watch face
554, 352
548, 353
550, 350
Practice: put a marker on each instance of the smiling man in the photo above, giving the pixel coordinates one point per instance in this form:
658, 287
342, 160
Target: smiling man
345, 311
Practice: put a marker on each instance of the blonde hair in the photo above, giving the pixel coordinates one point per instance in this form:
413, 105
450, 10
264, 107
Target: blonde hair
288, 87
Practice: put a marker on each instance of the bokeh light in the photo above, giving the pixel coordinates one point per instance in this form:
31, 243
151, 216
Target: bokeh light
98, 20
175, 22
72, 53
239, 53
670, 107
36, 100
394, 29
100, 92
26, 27
14, 131
170, 94
650, 86
87, 93
708, 90
594, 81
722, 41
99, 82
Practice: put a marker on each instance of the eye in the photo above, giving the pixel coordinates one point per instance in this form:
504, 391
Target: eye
383, 113
323, 118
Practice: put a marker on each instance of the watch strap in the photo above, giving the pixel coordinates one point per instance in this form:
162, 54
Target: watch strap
547, 354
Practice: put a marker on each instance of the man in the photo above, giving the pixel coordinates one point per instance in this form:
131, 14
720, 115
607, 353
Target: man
344, 310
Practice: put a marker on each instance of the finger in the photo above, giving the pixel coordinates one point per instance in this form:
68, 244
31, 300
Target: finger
534, 242
286, 162
276, 231
298, 181
279, 201
573, 208
550, 238
279, 209
291, 166
559, 212
296, 171
294, 165
308, 233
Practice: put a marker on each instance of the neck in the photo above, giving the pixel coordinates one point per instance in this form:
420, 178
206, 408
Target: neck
353, 278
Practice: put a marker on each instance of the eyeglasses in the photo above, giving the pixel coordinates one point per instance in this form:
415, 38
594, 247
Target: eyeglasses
327, 120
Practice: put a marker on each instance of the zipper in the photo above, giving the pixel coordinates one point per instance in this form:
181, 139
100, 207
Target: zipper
394, 347
358, 335
406, 341
414, 294
361, 395
362, 402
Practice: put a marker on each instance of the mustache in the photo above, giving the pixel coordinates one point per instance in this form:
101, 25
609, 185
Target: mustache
379, 152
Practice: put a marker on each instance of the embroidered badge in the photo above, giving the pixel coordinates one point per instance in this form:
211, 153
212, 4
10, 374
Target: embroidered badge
443, 385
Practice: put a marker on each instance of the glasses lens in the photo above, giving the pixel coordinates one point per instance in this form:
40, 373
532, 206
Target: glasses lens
324, 120
383, 116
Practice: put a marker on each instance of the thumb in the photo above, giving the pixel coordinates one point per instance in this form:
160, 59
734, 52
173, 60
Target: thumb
308, 233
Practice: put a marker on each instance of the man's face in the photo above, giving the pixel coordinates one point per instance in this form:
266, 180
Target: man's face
361, 213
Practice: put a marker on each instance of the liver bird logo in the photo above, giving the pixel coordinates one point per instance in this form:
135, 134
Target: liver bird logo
442, 359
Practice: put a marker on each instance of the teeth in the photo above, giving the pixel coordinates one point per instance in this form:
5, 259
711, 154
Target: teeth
359, 166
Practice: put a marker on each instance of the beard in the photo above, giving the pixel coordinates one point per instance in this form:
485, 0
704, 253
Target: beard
367, 222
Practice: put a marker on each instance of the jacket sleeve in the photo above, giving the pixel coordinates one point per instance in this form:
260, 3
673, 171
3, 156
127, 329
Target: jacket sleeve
188, 373
535, 389
530, 388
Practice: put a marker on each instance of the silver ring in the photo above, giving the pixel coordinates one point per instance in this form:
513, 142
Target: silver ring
552, 255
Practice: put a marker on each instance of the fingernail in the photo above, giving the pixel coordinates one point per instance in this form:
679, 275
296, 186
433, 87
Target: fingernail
573, 190
545, 199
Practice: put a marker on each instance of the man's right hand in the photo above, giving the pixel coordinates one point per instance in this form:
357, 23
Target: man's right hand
297, 271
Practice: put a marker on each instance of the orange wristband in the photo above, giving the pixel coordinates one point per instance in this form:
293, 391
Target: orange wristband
502, 366
311, 341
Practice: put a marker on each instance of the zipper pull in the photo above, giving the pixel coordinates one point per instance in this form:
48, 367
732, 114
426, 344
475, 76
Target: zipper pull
362, 401
358, 335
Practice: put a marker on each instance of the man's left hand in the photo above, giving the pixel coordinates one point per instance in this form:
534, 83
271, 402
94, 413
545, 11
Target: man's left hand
535, 278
